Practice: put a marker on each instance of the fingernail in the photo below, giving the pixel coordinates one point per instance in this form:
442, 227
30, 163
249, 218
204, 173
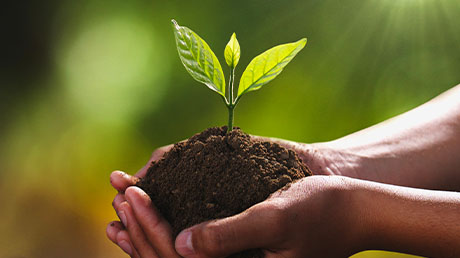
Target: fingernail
125, 246
184, 245
122, 216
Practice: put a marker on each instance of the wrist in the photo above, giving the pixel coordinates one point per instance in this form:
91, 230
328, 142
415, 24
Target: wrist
363, 214
355, 212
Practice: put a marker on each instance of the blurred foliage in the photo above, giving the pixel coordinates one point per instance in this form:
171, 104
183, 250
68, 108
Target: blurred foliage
87, 87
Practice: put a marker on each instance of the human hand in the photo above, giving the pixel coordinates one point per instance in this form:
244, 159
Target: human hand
334, 216
142, 232
314, 217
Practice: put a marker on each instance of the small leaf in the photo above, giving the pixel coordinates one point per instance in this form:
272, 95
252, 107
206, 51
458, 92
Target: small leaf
232, 52
266, 66
199, 60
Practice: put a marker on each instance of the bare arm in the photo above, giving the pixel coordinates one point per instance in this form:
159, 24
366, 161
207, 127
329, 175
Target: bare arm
416, 221
420, 148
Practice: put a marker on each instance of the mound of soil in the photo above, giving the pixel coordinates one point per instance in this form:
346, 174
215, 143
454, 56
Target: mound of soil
216, 174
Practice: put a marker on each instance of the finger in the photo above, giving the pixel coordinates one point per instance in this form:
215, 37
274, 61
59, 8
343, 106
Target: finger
143, 171
112, 230
137, 255
120, 180
124, 242
156, 228
156, 155
119, 198
136, 235
258, 227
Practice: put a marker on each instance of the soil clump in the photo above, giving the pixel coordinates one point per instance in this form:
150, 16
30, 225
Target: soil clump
215, 174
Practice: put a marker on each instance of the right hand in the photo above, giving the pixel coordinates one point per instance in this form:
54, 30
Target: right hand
141, 231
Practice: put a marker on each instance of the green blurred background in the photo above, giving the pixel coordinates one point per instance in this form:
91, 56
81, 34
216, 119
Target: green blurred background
87, 87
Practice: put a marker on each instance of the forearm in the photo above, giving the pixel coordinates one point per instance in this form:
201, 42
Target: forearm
422, 222
420, 148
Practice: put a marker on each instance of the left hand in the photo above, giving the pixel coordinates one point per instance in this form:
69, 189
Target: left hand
314, 217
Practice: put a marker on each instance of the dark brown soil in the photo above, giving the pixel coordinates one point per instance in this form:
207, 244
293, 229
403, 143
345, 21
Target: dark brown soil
215, 175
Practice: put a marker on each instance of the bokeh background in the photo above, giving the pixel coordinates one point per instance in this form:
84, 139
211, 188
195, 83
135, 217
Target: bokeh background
87, 87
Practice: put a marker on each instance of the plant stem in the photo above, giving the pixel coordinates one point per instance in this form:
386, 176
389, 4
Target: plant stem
230, 117
230, 105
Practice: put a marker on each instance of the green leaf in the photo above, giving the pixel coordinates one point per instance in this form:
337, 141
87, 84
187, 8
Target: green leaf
266, 66
232, 52
199, 60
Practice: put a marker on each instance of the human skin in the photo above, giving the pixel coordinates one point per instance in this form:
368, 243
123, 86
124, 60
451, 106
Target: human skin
417, 149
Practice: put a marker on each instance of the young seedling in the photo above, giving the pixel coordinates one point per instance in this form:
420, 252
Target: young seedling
203, 65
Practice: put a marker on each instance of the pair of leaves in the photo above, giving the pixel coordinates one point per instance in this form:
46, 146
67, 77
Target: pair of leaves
203, 65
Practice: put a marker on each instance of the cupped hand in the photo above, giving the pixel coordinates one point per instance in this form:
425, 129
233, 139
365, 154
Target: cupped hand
312, 218
141, 231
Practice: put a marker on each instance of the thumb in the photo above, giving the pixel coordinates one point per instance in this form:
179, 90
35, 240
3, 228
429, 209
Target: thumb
259, 226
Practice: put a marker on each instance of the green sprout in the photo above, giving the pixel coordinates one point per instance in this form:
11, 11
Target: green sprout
203, 65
